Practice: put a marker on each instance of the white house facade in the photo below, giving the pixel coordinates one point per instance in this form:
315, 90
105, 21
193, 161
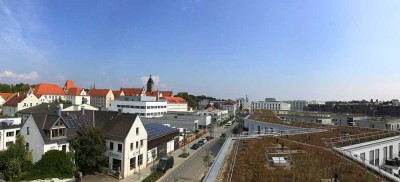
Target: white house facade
142, 108
9, 128
19, 102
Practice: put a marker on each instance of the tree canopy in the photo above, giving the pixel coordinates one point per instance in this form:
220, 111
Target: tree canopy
20, 87
89, 148
15, 160
194, 100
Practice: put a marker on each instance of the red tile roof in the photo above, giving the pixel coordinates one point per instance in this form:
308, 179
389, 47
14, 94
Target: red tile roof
47, 89
174, 100
74, 91
6, 96
117, 93
68, 85
152, 94
99, 92
13, 102
166, 93
132, 91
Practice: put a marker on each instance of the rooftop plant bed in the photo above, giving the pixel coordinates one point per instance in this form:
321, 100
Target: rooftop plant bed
314, 164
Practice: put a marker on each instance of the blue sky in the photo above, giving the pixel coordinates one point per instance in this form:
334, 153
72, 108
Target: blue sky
316, 49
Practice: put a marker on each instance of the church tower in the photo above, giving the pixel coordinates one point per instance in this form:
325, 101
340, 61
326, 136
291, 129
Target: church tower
150, 85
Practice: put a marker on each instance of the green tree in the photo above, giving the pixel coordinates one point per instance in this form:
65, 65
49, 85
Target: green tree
207, 159
14, 160
54, 163
89, 150
154, 155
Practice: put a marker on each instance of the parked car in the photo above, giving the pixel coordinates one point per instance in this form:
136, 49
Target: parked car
195, 146
208, 138
165, 163
201, 142
223, 135
205, 140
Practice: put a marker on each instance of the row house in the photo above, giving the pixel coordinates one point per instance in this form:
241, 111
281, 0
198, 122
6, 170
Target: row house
101, 98
126, 137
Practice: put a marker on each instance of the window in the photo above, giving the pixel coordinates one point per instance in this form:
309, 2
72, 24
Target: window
131, 146
119, 147
391, 152
362, 156
377, 157
9, 143
371, 157
137, 130
141, 143
140, 159
133, 163
10, 134
137, 145
384, 153
27, 130
16, 132
27, 146
111, 146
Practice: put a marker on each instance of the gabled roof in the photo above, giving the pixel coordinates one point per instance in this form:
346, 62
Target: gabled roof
152, 94
68, 85
74, 91
114, 126
17, 98
47, 89
174, 100
7, 96
132, 91
99, 92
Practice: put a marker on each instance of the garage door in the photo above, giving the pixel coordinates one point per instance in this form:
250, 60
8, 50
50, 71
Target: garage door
170, 146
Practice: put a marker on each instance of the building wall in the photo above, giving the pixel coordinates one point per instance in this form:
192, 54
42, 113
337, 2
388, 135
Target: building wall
270, 105
230, 108
297, 105
4, 139
377, 146
178, 107
34, 138
77, 99
132, 137
146, 109
52, 98
102, 101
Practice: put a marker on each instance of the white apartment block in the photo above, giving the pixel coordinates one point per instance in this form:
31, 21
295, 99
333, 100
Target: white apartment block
297, 105
231, 108
9, 129
100, 98
142, 108
274, 106
19, 102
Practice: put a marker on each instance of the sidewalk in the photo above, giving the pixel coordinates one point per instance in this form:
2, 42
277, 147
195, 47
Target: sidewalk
177, 160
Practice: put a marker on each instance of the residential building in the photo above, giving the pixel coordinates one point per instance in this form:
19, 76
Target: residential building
126, 137
19, 102
101, 98
244, 103
308, 117
133, 91
231, 107
161, 139
176, 104
347, 119
379, 122
271, 104
75, 95
217, 115
141, 105
51, 92
9, 129
4, 97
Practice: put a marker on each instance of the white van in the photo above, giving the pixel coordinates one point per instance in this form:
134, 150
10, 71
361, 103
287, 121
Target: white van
229, 123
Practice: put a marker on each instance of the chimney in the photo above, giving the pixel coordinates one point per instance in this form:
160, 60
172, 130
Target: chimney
83, 110
58, 111
158, 95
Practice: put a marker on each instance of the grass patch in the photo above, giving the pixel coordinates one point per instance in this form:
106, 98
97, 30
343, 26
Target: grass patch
153, 177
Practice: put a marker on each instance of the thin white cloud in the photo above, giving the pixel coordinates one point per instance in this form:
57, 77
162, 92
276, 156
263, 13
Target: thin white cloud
17, 30
156, 79
11, 76
60, 78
